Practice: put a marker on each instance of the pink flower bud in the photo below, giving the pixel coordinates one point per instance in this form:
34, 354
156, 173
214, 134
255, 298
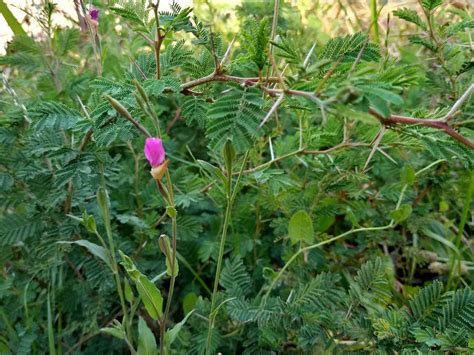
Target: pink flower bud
154, 151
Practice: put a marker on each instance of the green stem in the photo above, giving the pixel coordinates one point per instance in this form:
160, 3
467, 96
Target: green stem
317, 245
374, 18
231, 194
218, 269
115, 271
345, 234
158, 40
172, 281
455, 269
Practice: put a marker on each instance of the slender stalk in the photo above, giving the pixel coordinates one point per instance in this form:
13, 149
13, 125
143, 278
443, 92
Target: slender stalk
455, 269
317, 245
115, 269
374, 17
231, 195
172, 282
158, 40
218, 270
345, 234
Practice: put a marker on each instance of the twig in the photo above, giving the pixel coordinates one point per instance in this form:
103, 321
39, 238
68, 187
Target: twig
158, 39
395, 119
304, 151
387, 121
276, 12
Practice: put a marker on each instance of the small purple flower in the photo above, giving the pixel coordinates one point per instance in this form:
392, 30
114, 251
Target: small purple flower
94, 14
154, 151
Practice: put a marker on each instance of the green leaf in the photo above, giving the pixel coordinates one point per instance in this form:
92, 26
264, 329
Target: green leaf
215, 173
15, 228
229, 155
171, 334
401, 213
189, 302
347, 48
93, 248
454, 28
255, 41
235, 115
148, 292
11, 20
146, 339
164, 243
300, 228
410, 16
407, 175
89, 222
430, 5
194, 109
171, 211
154, 88
430, 233
116, 330
423, 41
324, 222
127, 290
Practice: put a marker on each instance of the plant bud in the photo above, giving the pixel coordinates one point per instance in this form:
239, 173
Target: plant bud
158, 171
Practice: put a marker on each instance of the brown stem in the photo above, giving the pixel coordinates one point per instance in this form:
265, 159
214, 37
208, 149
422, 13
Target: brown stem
158, 40
395, 119
388, 121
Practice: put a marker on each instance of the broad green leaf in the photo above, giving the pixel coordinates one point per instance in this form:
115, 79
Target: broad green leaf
11, 20
379, 105
146, 339
129, 296
189, 302
117, 333
214, 172
401, 213
324, 222
148, 292
300, 228
407, 175
93, 248
172, 333
441, 239
116, 330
